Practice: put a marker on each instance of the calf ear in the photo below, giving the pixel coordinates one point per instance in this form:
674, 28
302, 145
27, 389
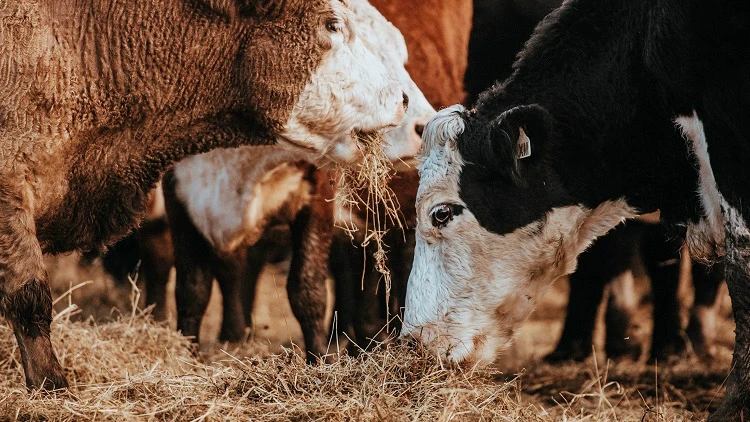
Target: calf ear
516, 135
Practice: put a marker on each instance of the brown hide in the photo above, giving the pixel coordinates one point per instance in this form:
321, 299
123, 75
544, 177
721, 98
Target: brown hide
100, 97
100, 101
437, 36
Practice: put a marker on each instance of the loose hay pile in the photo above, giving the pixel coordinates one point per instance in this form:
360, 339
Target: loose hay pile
134, 369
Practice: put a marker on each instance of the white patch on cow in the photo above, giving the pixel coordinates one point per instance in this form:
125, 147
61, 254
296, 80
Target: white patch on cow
386, 42
707, 237
230, 193
470, 289
350, 90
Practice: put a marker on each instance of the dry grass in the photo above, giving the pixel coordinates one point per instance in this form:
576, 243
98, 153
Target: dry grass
366, 186
132, 368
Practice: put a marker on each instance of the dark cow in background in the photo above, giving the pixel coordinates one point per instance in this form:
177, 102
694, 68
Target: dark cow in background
613, 109
90, 118
500, 29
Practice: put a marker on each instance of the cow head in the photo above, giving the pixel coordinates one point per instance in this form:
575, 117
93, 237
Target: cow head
496, 226
348, 89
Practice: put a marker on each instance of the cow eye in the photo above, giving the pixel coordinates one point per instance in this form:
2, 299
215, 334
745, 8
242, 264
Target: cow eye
442, 214
334, 25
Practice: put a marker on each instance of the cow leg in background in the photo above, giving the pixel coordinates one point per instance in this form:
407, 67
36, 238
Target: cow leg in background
608, 257
702, 324
369, 319
157, 259
401, 257
192, 253
237, 275
312, 234
25, 297
344, 257
662, 258
621, 304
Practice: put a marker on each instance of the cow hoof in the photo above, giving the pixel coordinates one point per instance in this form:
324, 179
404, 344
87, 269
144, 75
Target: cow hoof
566, 355
668, 351
731, 409
51, 380
623, 350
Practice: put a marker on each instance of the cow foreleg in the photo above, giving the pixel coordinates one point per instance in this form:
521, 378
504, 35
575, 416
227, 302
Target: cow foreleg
192, 266
25, 298
736, 404
312, 234
662, 256
157, 259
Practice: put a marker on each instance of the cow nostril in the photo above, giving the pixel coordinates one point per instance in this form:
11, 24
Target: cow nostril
406, 101
419, 128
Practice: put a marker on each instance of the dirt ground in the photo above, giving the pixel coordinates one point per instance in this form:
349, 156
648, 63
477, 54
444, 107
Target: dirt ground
597, 389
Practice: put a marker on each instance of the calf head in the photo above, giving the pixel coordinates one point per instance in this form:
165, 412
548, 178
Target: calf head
348, 89
495, 227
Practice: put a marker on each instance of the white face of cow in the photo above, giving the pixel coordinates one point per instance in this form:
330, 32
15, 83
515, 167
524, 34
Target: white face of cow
471, 287
351, 90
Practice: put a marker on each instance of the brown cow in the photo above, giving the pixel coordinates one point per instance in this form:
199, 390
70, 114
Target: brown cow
97, 101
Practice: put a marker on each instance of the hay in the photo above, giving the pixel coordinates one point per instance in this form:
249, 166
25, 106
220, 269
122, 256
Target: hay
367, 186
135, 369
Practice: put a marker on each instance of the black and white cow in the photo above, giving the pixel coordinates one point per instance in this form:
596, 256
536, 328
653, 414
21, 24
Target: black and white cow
608, 114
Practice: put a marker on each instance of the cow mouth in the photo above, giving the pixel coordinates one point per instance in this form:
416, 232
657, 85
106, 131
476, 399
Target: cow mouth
360, 135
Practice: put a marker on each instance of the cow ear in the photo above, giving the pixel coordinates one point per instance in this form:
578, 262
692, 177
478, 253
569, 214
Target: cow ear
515, 135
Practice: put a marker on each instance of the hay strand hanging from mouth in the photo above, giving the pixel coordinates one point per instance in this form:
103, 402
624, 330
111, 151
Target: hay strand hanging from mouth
366, 187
